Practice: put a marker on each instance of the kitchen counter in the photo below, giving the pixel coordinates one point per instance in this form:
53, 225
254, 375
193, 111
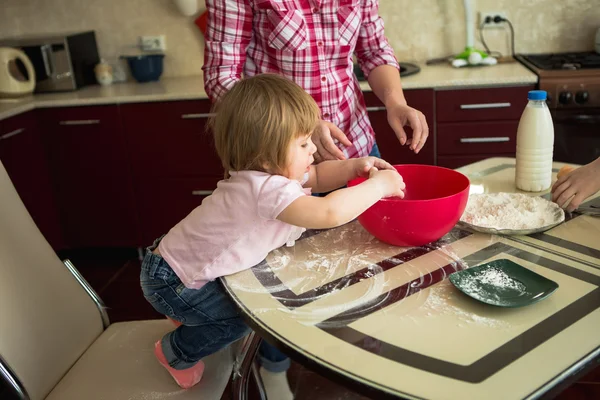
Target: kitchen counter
437, 77
167, 89
443, 76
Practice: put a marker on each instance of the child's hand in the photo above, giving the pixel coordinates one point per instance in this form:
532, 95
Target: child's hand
579, 184
362, 166
389, 182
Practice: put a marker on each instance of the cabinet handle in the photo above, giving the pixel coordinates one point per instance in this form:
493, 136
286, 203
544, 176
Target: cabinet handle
197, 116
201, 192
483, 105
81, 122
380, 108
485, 139
11, 134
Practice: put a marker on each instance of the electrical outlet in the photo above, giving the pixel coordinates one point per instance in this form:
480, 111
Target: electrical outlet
153, 43
491, 15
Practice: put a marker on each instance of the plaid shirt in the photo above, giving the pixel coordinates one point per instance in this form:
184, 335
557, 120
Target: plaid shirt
309, 41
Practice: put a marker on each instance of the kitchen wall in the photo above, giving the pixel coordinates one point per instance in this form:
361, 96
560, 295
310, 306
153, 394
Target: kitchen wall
117, 23
436, 28
417, 30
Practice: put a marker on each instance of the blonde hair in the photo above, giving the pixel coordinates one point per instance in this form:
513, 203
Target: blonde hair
256, 121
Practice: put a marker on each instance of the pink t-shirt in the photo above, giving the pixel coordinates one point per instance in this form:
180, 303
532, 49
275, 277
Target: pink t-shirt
233, 229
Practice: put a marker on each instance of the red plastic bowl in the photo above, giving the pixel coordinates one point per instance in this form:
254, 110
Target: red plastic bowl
435, 199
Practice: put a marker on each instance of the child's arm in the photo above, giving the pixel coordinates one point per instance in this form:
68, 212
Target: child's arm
330, 175
343, 205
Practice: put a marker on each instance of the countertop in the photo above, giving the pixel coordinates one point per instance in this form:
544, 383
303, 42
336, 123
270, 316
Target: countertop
387, 321
445, 77
167, 89
437, 77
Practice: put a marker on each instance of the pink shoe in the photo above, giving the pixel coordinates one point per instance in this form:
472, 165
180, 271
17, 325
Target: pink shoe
176, 323
185, 378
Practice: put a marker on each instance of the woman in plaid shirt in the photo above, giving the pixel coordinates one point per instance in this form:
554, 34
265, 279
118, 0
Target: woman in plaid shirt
313, 42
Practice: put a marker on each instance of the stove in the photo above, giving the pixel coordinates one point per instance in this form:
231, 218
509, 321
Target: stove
565, 61
572, 81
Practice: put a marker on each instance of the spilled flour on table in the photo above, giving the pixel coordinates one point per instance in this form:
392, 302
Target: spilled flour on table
513, 211
442, 299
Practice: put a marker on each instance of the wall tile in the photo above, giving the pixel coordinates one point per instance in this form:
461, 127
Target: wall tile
417, 30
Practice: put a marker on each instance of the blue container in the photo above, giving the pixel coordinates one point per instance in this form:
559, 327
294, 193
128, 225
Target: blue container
146, 68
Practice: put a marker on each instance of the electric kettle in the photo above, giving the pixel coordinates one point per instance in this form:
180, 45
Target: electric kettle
17, 76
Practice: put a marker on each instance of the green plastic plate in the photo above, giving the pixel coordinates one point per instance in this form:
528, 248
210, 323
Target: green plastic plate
503, 283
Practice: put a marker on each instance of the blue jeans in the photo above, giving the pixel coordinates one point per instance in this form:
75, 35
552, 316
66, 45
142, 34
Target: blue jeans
210, 319
375, 151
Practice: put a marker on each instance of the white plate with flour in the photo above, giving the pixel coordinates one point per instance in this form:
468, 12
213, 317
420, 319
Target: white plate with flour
510, 214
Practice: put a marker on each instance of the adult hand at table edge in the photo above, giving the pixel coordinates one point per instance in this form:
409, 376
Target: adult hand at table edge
577, 185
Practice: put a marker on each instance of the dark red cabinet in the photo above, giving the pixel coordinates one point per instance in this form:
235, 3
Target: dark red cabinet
475, 124
168, 139
389, 146
173, 160
163, 202
92, 176
486, 104
24, 158
498, 137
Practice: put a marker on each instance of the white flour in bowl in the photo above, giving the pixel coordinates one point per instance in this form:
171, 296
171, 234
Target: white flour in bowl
513, 211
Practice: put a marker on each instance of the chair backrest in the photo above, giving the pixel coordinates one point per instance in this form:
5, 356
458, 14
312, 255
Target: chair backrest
47, 319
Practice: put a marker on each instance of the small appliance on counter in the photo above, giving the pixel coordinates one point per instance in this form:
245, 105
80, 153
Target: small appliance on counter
17, 76
62, 62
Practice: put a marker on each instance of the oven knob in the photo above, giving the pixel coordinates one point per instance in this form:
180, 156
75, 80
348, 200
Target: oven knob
565, 97
582, 97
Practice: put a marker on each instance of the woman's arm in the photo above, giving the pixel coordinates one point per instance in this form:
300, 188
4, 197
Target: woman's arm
228, 33
385, 82
378, 62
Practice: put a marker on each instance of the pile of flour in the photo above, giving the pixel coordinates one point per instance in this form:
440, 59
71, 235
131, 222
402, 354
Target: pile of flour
513, 211
494, 277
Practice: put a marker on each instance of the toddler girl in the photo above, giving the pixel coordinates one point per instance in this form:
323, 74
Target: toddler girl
262, 132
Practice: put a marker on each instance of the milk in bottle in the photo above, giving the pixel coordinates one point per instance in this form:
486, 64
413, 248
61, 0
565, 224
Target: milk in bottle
535, 143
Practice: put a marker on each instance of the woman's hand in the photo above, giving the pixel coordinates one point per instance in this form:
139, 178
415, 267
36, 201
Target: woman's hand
579, 184
363, 165
400, 115
323, 137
